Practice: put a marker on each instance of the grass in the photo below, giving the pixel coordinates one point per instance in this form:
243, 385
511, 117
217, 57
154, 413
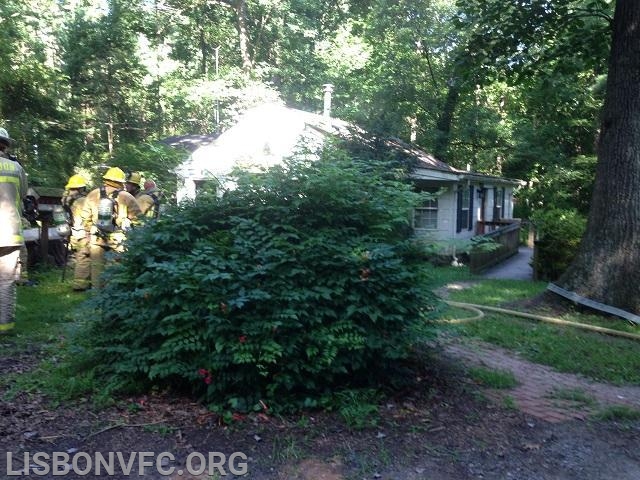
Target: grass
573, 395
444, 275
600, 357
509, 403
566, 349
45, 310
619, 413
286, 448
44, 313
499, 379
498, 292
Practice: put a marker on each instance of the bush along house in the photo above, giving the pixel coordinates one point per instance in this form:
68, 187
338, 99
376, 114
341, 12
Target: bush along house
467, 204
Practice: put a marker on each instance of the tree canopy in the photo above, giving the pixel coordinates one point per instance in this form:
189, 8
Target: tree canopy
510, 87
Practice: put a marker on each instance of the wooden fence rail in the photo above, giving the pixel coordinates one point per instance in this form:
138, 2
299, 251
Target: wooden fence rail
508, 238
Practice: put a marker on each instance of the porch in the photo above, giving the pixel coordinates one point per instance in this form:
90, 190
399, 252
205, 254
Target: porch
506, 233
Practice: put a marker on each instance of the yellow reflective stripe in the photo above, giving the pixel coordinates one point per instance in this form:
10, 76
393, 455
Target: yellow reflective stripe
10, 179
16, 181
8, 165
7, 326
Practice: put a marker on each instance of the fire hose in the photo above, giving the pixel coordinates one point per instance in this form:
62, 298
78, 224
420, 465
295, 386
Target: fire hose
479, 310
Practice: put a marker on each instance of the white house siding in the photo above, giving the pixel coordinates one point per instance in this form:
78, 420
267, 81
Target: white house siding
448, 211
446, 218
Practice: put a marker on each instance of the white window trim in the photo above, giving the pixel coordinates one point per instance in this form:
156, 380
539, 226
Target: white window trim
429, 206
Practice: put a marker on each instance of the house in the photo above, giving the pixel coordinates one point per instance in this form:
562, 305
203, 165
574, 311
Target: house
467, 203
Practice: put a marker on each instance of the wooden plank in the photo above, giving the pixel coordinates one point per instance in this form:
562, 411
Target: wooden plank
574, 297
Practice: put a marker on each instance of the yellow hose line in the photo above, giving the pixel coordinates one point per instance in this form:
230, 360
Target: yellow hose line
479, 314
593, 328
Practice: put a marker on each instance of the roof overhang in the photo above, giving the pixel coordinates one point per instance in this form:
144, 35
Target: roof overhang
460, 176
429, 174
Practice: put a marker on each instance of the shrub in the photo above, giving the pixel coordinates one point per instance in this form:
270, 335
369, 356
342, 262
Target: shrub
559, 233
301, 280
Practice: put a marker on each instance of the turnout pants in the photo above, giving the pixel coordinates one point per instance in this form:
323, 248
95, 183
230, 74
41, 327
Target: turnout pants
82, 267
9, 274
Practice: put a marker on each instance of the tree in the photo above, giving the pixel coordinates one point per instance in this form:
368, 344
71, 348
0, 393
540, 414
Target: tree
607, 267
525, 94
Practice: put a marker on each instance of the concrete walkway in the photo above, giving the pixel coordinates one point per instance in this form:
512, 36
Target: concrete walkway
516, 267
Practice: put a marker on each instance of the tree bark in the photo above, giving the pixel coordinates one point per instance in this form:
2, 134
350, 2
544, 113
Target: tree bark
245, 54
240, 9
443, 126
607, 266
203, 51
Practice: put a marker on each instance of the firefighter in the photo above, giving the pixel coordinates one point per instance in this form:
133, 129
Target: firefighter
108, 212
151, 191
73, 201
13, 188
148, 200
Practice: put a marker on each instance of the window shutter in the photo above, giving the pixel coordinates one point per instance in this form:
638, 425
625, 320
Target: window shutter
471, 215
459, 219
502, 205
496, 213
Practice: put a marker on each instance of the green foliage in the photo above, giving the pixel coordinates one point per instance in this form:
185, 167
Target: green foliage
359, 408
559, 233
302, 279
619, 413
192, 106
154, 160
499, 379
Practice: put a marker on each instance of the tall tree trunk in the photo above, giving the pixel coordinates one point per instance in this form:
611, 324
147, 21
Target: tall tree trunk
443, 126
245, 54
607, 267
203, 51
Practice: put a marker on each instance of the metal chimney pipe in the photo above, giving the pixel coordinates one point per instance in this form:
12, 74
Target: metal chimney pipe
328, 90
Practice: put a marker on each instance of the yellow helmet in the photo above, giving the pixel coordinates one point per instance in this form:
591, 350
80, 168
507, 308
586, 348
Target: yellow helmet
114, 174
76, 181
135, 178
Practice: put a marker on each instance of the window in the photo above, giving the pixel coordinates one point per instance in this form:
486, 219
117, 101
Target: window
465, 207
426, 217
498, 203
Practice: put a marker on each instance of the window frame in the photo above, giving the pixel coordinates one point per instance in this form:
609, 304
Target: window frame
427, 207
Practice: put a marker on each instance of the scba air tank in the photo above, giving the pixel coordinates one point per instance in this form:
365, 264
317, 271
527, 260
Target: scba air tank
61, 221
105, 214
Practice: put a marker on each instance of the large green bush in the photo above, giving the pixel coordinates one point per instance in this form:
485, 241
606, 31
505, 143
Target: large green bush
302, 280
559, 234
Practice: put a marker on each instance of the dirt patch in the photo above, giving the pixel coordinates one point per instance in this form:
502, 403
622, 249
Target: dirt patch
445, 427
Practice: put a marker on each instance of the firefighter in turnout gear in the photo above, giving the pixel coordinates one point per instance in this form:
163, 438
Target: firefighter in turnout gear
108, 212
151, 193
148, 199
73, 200
13, 188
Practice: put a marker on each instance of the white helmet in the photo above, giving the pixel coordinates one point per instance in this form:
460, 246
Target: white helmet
4, 137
